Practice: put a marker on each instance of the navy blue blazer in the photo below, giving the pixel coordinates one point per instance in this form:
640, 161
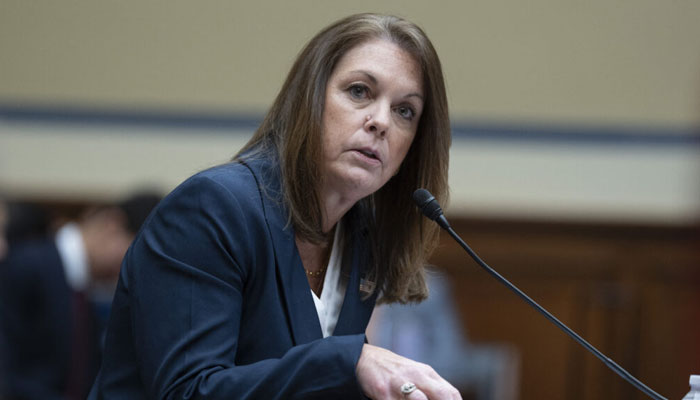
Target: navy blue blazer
213, 301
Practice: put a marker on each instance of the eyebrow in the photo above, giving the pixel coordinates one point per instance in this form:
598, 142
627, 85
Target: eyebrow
374, 81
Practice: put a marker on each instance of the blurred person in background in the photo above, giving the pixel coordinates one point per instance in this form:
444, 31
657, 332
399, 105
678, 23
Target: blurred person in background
27, 220
3, 229
431, 332
3, 253
52, 301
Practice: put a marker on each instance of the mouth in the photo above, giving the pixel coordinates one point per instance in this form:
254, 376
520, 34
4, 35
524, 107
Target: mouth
369, 154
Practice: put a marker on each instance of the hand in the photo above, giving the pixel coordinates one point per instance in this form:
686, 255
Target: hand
381, 374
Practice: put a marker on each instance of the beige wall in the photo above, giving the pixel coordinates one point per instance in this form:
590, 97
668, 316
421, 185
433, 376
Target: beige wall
544, 60
573, 64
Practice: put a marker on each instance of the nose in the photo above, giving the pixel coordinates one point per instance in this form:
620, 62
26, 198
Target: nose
377, 121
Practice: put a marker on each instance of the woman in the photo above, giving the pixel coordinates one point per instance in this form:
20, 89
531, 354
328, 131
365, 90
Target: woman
256, 279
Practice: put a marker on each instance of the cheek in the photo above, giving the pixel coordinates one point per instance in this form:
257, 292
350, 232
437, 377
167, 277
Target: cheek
401, 148
336, 127
329, 125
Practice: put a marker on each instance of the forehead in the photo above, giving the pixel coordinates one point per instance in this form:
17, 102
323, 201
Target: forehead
382, 57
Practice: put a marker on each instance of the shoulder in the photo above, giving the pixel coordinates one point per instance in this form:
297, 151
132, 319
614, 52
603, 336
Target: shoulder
226, 188
234, 178
231, 174
218, 212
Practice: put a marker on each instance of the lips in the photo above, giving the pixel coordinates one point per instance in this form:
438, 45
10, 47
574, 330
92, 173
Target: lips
369, 153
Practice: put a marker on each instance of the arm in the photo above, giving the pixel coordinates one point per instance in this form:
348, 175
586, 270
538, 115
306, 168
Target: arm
187, 276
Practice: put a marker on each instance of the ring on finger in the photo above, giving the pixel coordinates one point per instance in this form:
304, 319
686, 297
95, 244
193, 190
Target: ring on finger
408, 388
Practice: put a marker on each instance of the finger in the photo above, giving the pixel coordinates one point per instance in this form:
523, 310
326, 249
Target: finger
445, 391
438, 388
416, 395
433, 386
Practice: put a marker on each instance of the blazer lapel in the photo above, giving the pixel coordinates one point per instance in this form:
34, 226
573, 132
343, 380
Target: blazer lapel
301, 311
355, 312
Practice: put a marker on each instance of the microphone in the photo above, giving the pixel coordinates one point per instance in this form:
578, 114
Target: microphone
430, 208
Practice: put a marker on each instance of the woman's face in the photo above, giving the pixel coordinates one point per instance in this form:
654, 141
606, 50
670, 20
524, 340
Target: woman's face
374, 99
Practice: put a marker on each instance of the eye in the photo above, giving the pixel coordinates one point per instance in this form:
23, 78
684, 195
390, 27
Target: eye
358, 91
406, 112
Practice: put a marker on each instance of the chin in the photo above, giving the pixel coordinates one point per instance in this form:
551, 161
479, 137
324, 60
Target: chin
361, 185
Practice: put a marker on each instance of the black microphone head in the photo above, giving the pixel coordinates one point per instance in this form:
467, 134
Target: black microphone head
427, 204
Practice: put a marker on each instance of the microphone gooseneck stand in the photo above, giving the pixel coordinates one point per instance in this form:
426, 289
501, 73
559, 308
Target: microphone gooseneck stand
431, 209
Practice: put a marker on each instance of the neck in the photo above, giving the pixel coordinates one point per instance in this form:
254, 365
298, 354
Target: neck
334, 205
314, 258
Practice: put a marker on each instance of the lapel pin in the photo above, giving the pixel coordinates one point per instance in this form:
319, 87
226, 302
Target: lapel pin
367, 286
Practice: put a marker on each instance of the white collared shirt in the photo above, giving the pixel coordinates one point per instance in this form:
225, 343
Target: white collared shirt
334, 286
71, 249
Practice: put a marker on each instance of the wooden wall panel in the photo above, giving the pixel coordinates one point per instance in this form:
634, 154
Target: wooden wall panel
631, 291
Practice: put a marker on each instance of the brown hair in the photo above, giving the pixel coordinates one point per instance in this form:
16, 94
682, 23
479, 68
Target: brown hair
401, 239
